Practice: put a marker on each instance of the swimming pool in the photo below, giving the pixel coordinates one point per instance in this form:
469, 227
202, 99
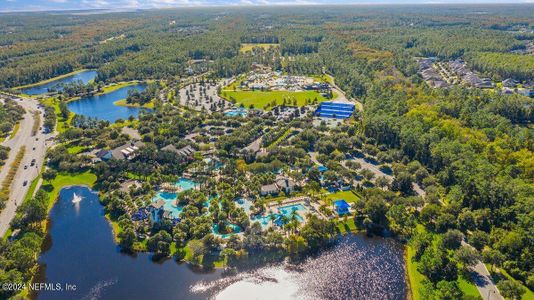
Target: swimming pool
289, 209
236, 112
235, 229
185, 184
286, 211
170, 203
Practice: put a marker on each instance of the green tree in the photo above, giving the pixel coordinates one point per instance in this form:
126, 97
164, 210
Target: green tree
197, 250
511, 289
467, 256
127, 239
452, 239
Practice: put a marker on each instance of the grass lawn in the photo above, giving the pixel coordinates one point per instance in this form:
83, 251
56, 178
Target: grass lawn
414, 276
116, 229
468, 287
348, 226
31, 190
348, 196
67, 179
115, 86
249, 46
15, 130
62, 123
123, 103
282, 137
75, 149
259, 99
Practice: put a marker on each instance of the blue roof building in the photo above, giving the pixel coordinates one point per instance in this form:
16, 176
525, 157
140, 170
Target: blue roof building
336, 110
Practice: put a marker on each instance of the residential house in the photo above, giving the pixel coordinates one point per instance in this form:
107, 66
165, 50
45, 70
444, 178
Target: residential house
186, 152
127, 151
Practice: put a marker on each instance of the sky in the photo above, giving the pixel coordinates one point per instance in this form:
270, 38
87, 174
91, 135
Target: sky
41, 5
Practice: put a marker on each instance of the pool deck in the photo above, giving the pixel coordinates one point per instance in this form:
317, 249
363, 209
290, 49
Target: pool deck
303, 200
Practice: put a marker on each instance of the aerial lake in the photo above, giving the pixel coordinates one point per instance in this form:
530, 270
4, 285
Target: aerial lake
102, 107
79, 250
84, 76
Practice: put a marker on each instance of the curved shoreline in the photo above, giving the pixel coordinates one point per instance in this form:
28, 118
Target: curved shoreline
42, 82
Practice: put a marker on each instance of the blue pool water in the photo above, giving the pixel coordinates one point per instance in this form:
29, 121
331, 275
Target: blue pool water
286, 211
185, 184
235, 229
170, 198
245, 204
170, 203
236, 112
102, 106
84, 76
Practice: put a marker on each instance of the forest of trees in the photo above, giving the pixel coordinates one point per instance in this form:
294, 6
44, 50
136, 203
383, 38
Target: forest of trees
471, 151
10, 114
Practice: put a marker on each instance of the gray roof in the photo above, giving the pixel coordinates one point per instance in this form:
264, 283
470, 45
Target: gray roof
285, 183
127, 151
185, 151
269, 188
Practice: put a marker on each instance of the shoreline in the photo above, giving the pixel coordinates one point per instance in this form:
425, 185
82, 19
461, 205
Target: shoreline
123, 103
42, 82
106, 90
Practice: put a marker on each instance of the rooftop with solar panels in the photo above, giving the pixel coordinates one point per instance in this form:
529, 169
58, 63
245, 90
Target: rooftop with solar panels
335, 109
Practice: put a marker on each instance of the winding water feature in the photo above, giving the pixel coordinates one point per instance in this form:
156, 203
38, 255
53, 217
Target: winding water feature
84, 76
102, 106
81, 251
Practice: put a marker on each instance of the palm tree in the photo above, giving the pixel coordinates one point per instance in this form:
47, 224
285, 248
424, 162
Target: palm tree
273, 218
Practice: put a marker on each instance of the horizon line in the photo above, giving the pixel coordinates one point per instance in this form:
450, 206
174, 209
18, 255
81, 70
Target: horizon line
248, 5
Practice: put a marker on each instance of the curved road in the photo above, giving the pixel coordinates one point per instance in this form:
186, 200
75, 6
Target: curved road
18, 189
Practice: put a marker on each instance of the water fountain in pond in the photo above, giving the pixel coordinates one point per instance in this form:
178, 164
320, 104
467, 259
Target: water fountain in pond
76, 198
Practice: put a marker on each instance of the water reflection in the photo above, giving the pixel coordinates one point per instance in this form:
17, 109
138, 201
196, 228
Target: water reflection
84, 253
356, 268
102, 106
84, 76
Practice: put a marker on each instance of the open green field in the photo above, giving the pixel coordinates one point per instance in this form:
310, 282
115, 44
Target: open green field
67, 179
348, 196
246, 47
260, 99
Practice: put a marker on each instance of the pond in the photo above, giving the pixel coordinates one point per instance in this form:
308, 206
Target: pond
80, 250
84, 76
102, 106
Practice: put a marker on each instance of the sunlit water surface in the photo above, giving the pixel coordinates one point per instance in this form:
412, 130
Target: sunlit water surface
80, 250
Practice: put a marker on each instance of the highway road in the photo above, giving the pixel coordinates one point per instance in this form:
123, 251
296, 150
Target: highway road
36, 147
